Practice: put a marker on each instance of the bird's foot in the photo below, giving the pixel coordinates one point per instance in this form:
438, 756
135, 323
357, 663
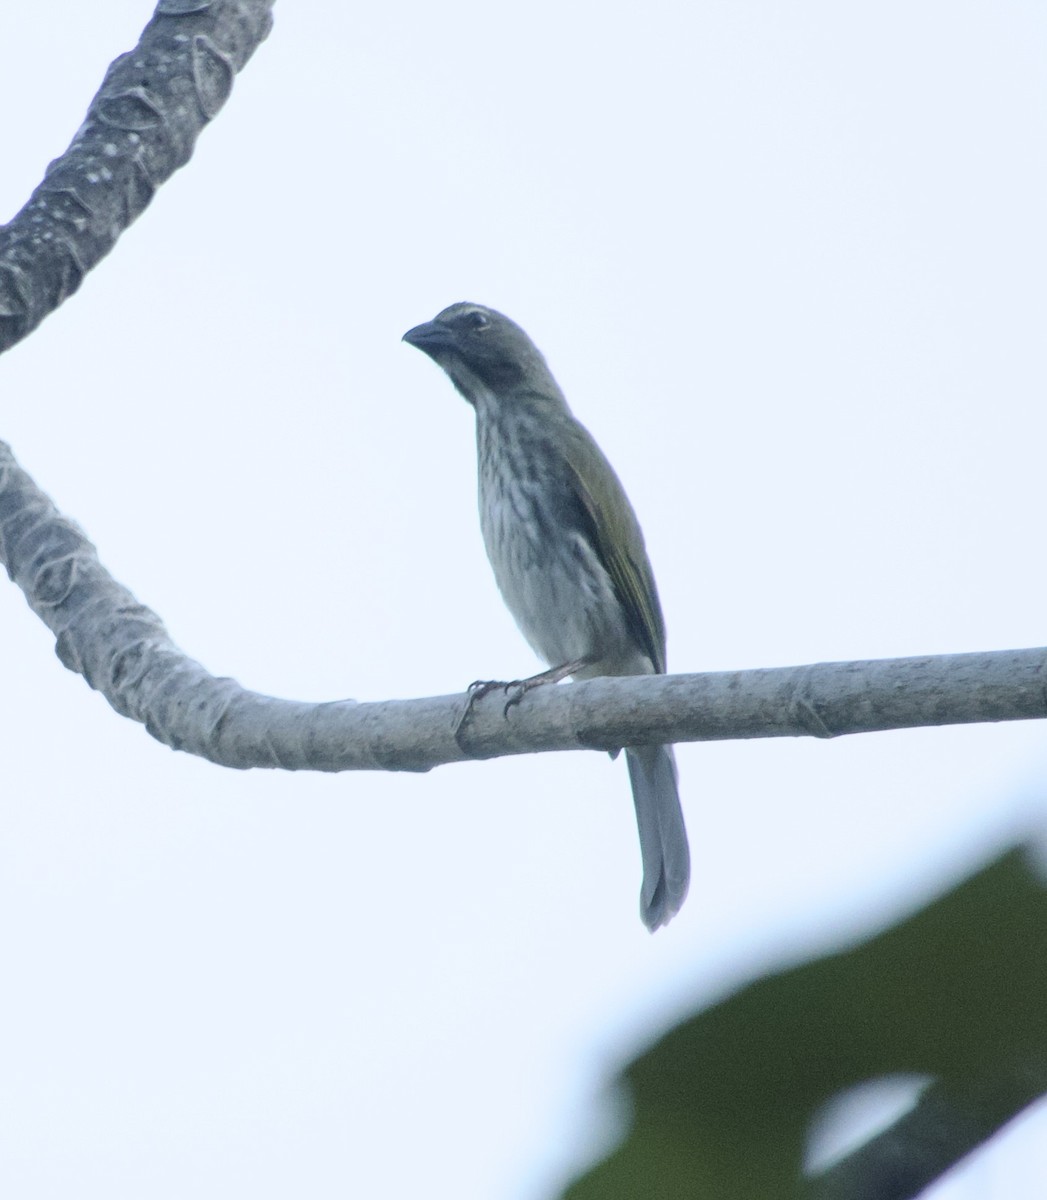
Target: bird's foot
480, 688
514, 689
520, 687
474, 692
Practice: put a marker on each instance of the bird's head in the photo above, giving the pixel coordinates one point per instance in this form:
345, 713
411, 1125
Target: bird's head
482, 351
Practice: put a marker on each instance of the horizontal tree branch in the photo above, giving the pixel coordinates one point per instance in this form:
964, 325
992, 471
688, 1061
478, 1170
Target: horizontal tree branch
123, 650
140, 128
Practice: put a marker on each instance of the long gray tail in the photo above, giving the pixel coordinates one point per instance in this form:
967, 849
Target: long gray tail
663, 837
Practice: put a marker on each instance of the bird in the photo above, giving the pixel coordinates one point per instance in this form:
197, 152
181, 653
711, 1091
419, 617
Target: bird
567, 553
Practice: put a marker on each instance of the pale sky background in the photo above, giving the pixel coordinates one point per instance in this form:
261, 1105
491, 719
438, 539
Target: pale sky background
788, 263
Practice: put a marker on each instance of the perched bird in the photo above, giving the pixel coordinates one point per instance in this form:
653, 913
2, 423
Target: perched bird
567, 552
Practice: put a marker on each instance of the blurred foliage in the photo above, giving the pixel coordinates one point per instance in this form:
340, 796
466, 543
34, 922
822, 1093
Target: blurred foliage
958, 991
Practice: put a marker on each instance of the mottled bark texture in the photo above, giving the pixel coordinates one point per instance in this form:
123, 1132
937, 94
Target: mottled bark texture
122, 649
141, 127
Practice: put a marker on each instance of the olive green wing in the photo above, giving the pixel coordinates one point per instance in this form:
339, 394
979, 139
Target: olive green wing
607, 518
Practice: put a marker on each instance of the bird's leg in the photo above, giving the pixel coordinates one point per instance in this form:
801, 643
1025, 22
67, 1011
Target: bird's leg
519, 687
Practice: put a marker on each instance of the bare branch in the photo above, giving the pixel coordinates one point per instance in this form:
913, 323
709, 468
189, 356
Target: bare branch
140, 128
122, 649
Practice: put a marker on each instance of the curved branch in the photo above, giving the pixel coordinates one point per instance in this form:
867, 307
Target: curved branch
122, 649
140, 128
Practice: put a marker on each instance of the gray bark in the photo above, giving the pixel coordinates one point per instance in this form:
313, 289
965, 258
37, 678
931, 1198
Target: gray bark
141, 127
122, 649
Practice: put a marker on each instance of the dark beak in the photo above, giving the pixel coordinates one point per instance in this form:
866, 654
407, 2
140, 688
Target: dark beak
430, 337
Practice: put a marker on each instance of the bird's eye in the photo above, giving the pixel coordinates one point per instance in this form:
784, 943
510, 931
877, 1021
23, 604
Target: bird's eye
477, 320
